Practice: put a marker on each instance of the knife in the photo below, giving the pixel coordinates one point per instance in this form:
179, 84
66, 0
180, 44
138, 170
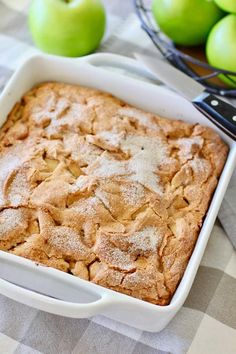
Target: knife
221, 113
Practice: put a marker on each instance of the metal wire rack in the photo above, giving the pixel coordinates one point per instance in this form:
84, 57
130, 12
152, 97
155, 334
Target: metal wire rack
181, 60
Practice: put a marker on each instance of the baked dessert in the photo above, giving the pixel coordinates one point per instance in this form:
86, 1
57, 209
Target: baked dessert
102, 190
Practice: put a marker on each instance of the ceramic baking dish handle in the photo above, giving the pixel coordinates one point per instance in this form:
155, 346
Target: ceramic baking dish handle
52, 305
114, 61
50, 290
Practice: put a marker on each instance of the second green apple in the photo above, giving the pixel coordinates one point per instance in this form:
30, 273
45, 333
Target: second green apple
186, 22
227, 5
67, 27
221, 47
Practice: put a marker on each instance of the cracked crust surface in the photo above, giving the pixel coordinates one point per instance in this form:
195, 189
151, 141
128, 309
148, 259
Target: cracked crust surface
97, 188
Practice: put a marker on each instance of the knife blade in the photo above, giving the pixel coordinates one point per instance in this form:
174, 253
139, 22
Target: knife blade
221, 113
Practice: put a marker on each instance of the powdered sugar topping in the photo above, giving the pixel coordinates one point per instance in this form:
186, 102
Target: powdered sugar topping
10, 219
120, 259
67, 240
103, 196
8, 164
80, 184
187, 144
18, 190
133, 193
111, 138
147, 154
86, 206
139, 116
146, 240
107, 166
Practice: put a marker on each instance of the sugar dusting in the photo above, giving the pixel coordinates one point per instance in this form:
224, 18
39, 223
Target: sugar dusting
18, 190
143, 241
103, 196
146, 240
112, 255
133, 193
67, 241
187, 144
199, 165
139, 116
86, 206
81, 183
8, 164
201, 168
109, 167
111, 138
120, 259
147, 153
10, 219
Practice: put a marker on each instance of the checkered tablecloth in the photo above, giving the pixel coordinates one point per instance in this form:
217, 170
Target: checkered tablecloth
207, 322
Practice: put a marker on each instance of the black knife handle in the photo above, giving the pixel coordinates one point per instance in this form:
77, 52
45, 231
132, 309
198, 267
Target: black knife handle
219, 112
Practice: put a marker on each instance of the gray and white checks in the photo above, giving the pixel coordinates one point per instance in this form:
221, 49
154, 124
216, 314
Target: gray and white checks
207, 322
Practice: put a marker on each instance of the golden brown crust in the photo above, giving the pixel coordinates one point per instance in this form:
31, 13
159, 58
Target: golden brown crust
92, 186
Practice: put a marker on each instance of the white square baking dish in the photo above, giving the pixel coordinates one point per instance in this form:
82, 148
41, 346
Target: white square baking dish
59, 293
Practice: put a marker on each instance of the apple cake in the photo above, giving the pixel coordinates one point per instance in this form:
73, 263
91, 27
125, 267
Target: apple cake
102, 190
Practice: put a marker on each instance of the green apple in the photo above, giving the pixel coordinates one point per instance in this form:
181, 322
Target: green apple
67, 27
221, 46
227, 5
186, 22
